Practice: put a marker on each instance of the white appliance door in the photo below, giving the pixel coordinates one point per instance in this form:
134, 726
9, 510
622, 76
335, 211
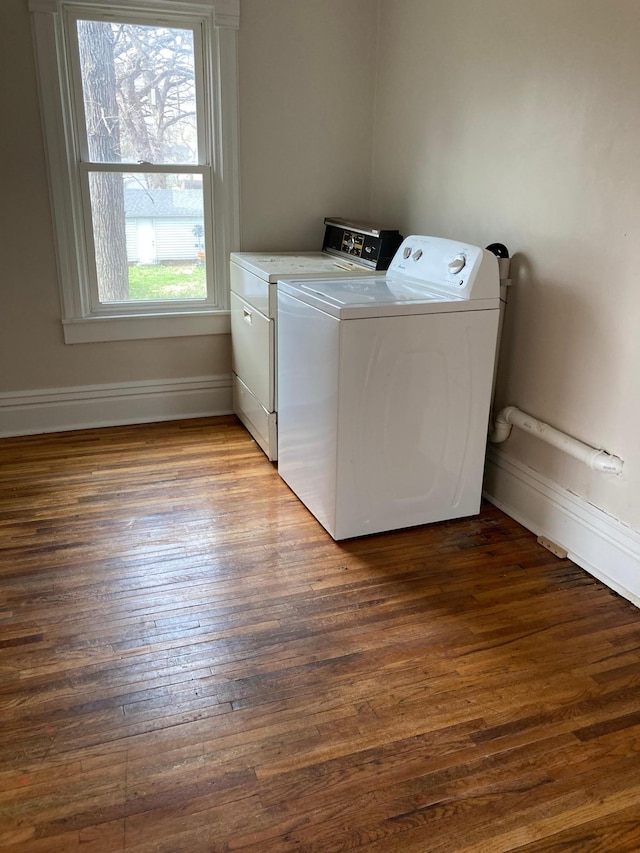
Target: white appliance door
260, 423
253, 350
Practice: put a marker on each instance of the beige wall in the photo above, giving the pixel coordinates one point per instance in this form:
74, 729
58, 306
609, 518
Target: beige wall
519, 121
306, 117
305, 153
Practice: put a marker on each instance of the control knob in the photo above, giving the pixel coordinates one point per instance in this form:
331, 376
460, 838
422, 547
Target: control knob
456, 264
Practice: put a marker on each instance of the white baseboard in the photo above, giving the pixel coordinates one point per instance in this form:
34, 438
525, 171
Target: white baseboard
597, 542
86, 406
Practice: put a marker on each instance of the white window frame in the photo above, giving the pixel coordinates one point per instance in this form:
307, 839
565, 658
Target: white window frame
83, 319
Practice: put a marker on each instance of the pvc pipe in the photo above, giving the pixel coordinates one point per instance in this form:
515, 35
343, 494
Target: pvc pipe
597, 460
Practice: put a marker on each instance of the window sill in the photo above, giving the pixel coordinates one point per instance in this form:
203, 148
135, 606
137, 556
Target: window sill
97, 329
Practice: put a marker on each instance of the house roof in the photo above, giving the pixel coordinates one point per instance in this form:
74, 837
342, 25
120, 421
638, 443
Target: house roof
142, 202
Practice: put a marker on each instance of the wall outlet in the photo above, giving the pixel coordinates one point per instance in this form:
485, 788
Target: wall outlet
556, 549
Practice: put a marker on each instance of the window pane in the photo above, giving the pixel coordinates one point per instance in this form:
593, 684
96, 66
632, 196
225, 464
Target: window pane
138, 86
148, 232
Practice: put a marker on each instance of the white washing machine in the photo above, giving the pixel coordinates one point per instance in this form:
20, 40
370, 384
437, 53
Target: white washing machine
384, 388
349, 249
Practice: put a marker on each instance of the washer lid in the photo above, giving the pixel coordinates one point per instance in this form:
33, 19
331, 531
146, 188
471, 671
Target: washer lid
353, 298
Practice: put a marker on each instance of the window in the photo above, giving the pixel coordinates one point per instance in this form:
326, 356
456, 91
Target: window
140, 116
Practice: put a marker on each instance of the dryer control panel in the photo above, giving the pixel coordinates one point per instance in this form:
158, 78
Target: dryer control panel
373, 247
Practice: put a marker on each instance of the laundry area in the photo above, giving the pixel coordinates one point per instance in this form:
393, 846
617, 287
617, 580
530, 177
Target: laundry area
502, 121
319, 416
367, 372
384, 388
489, 145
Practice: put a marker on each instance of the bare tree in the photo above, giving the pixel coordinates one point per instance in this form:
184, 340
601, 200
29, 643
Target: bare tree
96, 44
156, 95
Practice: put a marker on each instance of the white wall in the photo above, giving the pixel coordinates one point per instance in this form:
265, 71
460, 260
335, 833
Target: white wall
519, 121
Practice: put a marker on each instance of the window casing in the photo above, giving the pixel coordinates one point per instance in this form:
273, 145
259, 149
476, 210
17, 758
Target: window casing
189, 195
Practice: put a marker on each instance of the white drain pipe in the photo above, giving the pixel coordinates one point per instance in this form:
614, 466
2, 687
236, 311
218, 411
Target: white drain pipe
597, 460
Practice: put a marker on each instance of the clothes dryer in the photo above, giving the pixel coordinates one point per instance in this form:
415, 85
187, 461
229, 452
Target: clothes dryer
349, 249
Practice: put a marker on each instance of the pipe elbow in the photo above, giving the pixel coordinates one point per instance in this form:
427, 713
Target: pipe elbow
501, 429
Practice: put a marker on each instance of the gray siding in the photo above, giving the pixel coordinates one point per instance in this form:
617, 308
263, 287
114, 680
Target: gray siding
173, 238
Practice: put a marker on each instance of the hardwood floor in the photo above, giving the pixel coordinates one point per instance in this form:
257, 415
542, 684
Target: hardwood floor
189, 663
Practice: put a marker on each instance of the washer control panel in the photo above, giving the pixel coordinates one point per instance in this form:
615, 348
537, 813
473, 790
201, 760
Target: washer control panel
457, 264
449, 265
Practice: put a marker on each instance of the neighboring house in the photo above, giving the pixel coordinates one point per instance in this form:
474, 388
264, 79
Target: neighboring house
163, 224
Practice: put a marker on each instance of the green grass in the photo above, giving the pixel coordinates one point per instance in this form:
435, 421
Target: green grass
160, 281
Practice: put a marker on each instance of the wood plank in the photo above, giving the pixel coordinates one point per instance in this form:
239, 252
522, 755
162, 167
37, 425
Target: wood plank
189, 663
